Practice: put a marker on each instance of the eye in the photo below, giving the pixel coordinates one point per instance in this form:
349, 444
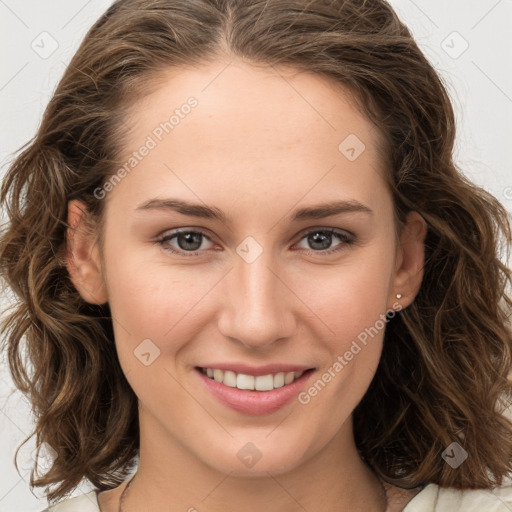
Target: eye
320, 240
190, 243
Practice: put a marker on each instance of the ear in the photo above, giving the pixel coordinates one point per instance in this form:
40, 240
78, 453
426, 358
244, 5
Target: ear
82, 255
410, 260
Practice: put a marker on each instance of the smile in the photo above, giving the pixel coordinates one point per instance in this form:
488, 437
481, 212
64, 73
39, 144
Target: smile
255, 394
256, 383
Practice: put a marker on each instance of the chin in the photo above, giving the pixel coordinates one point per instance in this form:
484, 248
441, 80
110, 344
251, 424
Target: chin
254, 459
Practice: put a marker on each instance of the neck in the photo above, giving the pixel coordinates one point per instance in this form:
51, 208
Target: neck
171, 477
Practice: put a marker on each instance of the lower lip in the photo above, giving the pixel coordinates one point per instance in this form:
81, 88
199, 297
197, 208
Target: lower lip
252, 402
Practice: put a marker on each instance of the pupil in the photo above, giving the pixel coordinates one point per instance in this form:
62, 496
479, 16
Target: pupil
190, 238
323, 239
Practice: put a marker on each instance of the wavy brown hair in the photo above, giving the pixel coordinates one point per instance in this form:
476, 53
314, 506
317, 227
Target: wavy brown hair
443, 371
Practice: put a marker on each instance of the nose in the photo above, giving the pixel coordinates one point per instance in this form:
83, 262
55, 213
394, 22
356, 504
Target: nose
259, 304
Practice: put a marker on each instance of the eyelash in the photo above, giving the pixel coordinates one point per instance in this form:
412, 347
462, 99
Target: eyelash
347, 240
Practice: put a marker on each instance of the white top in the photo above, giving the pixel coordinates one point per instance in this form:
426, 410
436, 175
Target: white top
431, 499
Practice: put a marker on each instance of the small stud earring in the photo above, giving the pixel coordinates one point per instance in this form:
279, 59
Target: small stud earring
398, 295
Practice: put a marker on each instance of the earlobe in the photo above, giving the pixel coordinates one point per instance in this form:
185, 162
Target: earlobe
410, 259
82, 256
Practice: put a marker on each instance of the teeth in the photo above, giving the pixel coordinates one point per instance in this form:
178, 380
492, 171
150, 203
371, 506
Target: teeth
229, 379
259, 383
279, 380
264, 383
245, 381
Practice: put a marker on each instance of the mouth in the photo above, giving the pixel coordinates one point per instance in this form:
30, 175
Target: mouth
244, 381
254, 394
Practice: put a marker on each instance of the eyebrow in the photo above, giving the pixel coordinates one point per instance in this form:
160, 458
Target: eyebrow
318, 211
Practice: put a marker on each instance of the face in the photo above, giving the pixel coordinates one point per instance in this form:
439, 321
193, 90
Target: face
272, 278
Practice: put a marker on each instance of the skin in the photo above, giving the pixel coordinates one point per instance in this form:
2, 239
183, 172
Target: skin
260, 144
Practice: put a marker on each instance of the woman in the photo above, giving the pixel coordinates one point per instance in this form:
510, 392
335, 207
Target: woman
248, 265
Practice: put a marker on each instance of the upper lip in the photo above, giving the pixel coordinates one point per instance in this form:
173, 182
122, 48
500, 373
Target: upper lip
257, 370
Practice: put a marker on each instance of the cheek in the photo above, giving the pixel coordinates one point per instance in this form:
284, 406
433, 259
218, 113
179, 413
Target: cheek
350, 297
155, 317
146, 298
155, 302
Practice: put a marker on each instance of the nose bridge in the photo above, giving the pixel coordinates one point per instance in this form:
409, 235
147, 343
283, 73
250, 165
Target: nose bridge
256, 311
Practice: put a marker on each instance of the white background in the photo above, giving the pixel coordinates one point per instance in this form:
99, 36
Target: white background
479, 81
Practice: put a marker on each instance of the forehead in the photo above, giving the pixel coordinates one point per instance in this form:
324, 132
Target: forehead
274, 130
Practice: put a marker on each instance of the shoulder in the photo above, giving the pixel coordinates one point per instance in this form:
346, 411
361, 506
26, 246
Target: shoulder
441, 499
84, 503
